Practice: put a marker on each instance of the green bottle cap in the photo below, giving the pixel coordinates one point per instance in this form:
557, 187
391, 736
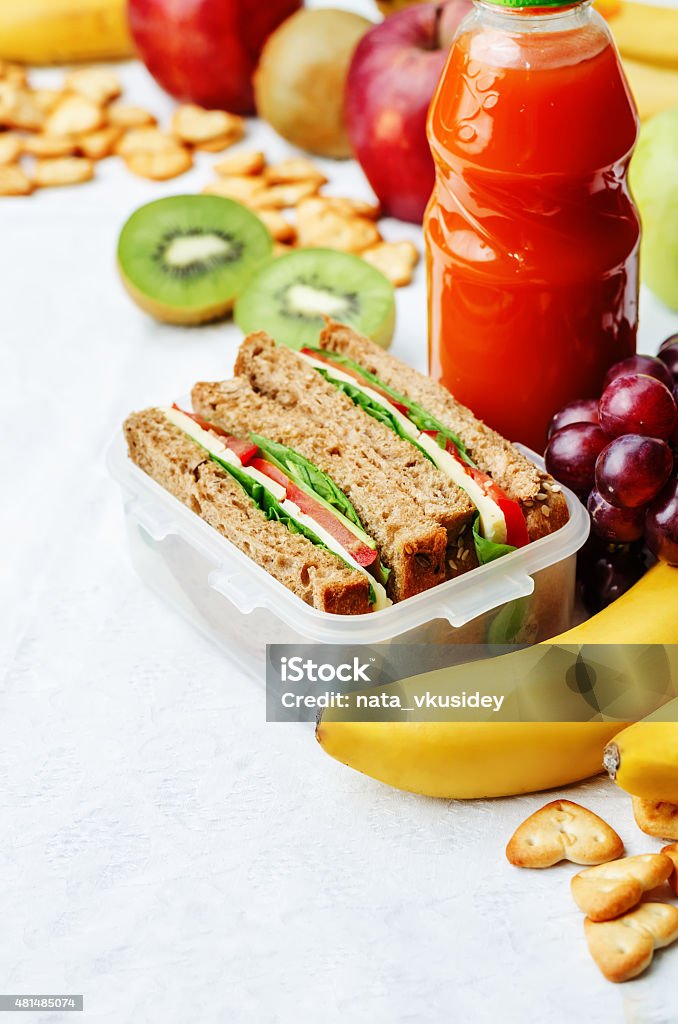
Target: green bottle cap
532, 3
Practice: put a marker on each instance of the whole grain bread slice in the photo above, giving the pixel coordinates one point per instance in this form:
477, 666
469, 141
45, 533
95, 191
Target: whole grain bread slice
540, 498
282, 375
410, 543
183, 468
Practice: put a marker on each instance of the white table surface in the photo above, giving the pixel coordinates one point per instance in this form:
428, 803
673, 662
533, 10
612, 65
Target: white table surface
163, 850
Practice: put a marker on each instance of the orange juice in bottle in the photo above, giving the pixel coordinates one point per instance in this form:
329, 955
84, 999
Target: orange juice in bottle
532, 236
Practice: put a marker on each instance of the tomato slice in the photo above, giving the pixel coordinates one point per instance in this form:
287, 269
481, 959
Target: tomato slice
357, 377
244, 449
516, 527
363, 554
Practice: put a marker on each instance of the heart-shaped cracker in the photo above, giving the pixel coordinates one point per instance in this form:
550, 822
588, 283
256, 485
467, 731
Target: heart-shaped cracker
563, 830
609, 890
672, 853
196, 125
624, 948
656, 818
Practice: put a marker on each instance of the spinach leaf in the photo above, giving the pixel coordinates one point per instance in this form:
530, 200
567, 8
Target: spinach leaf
488, 550
273, 510
415, 412
373, 409
304, 472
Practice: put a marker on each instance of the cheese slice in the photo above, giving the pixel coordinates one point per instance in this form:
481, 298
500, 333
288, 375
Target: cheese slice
492, 521
382, 601
213, 444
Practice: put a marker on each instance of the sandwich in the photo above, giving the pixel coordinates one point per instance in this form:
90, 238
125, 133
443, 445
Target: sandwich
412, 543
350, 478
272, 503
512, 502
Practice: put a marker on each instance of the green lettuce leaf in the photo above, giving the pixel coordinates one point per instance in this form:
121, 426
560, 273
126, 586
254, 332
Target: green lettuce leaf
488, 550
273, 510
302, 471
373, 409
415, 412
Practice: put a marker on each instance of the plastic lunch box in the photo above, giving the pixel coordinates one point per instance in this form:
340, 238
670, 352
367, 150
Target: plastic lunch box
240, 607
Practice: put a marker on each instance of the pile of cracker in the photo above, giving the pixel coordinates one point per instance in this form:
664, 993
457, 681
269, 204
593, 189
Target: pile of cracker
51, 137
287, 197
622, 929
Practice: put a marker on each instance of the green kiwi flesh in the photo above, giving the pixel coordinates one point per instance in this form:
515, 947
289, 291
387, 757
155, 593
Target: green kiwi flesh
290, 296
185, 259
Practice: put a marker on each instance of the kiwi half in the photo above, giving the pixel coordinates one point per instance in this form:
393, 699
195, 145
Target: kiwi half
185, 259
289, 297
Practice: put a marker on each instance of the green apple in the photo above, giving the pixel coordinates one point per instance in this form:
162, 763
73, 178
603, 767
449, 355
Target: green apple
654, 183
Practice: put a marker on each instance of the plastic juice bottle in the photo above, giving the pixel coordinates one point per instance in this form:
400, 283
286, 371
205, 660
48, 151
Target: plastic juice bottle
532, 236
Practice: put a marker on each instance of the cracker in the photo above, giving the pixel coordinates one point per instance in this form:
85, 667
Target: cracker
14, 73
347, 207
658, 818
14, 181
145, 140
10, 147
335, 231
49, 145
73, 115
246, 162
278, 226
124, 115
68, 170
298, 168
672, 853
195, 125
609, 890
624, 948
281, 197
100, 85
396, 260
242, 188
100, 144
219, 144
46, 99
18, 109
161, 165
563, 830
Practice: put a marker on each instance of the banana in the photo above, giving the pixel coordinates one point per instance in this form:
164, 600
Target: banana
643, 759
643, 31
467, 760
56, 31
654, 88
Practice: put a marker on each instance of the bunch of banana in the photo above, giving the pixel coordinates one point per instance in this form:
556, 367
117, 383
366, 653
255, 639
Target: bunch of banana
647, 37
643, 759
464, 760
62, 31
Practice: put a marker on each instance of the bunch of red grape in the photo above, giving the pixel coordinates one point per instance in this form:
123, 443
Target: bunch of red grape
618, 455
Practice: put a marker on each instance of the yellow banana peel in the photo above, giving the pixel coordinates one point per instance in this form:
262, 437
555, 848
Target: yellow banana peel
654, 88
61, 31
643, 759
464, 760
644, 32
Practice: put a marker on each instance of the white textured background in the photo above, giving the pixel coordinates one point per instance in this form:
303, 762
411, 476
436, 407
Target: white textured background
162, 849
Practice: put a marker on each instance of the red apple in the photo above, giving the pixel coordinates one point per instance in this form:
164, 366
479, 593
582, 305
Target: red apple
205, 51
391, 81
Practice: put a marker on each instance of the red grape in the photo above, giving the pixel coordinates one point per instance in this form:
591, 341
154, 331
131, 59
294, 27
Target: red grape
571, 455
668, 353
674, 434
606, 572
617, 525
582, 410
649, 365
637, 404
661, 524
632, 470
